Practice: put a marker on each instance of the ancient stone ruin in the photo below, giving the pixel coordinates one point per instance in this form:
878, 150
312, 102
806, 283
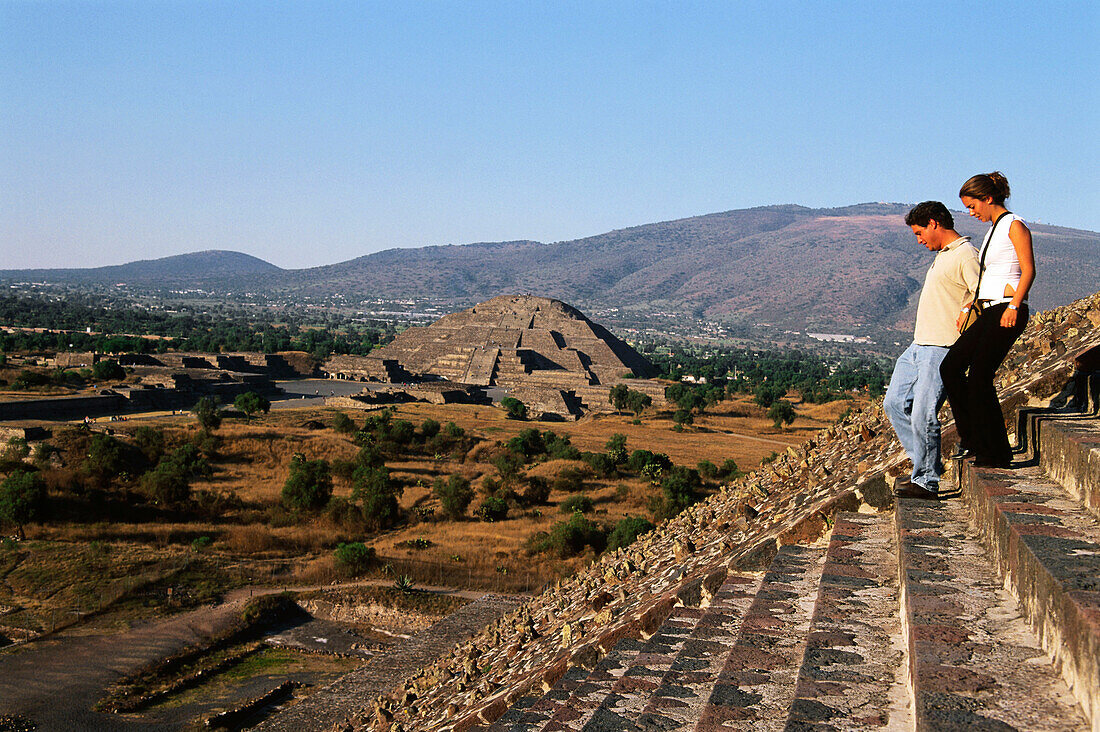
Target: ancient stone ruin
559, 361
804, 597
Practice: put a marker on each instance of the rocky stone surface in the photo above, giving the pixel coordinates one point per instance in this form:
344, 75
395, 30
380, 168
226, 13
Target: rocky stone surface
628, 594
351, 694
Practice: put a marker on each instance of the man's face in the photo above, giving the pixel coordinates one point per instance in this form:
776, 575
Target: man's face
927, 235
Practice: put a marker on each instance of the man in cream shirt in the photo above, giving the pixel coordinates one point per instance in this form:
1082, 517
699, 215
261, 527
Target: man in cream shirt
915, 394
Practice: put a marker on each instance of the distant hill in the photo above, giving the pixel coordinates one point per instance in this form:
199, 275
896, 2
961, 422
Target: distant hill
835, 270
191, 268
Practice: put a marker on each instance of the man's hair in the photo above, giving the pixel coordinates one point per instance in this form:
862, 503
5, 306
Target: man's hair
922, 213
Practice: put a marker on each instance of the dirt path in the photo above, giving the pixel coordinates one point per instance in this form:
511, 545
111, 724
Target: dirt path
56, 680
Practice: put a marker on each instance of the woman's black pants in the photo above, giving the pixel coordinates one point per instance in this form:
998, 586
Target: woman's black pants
968, 370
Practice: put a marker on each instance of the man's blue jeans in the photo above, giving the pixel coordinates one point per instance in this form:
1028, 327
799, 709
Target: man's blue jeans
912, 403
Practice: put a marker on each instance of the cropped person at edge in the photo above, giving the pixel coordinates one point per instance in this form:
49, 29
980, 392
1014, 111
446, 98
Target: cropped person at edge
1008, 270
916, 392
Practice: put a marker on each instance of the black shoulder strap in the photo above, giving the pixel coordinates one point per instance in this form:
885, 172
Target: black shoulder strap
985, 248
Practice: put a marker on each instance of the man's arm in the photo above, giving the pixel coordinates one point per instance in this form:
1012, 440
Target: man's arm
968, 274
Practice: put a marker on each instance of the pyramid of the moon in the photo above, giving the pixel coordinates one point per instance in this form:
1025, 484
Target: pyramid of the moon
513, 342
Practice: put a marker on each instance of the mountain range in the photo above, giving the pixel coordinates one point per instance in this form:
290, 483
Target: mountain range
835, 269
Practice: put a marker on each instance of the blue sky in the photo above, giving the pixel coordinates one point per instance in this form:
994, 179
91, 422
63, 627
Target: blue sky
307, 133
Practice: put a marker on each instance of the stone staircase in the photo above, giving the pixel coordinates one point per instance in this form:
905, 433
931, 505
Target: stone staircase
980, 613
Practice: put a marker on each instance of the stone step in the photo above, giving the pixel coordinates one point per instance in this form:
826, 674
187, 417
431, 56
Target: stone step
1047, 546
973, 661
853, 671
576, 696
1069, 451
630, 692
676, 699
579, 689
756, 685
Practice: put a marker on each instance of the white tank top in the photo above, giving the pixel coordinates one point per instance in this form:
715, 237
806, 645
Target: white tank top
1001, 266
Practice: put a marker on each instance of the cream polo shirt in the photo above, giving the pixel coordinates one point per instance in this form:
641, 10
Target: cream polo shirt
949, 284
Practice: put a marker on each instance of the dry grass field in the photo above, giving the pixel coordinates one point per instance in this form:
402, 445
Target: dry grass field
252, 541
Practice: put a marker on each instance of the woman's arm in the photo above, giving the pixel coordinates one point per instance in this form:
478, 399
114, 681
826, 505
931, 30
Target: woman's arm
1020, 236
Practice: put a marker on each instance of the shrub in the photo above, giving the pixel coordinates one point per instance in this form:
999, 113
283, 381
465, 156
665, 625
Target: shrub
22, 498
309, 485
354, 558
418, 544
453, 431
601, 464
345, 514
455, 495
515, 408
200, 543
150, 440
570, 537
537, 491
429, 428
569, 480
729, 469
781, 412
707, 469
574, 504
343, 424
250, 403
167, 483
377, 493
528, 443
766, 394
208, 414
679, 489
402, 432
17, 449
626, 531
616, 448
107, 459
508, 464
107, 370
493, 508
558, 446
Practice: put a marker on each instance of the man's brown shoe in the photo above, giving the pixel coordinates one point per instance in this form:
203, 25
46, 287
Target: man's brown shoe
909, 489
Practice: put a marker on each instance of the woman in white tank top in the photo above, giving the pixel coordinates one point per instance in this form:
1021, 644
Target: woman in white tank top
1008, 270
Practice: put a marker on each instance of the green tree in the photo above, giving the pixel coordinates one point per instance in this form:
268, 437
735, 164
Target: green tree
680, 489
515, 408
454, 494
766, 394
22, 498
617, 397
150, 440
309, 485
493, 508
573, 504
354, 558
637, 402
107, 370
250, 403
626, 531
208, 414
616, 448
377, 492
781, 412
343, 424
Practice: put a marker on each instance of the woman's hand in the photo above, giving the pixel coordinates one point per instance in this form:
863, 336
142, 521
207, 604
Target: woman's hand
1008, 318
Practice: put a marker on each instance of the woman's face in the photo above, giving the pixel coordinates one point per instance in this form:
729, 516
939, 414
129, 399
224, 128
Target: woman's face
980, 209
